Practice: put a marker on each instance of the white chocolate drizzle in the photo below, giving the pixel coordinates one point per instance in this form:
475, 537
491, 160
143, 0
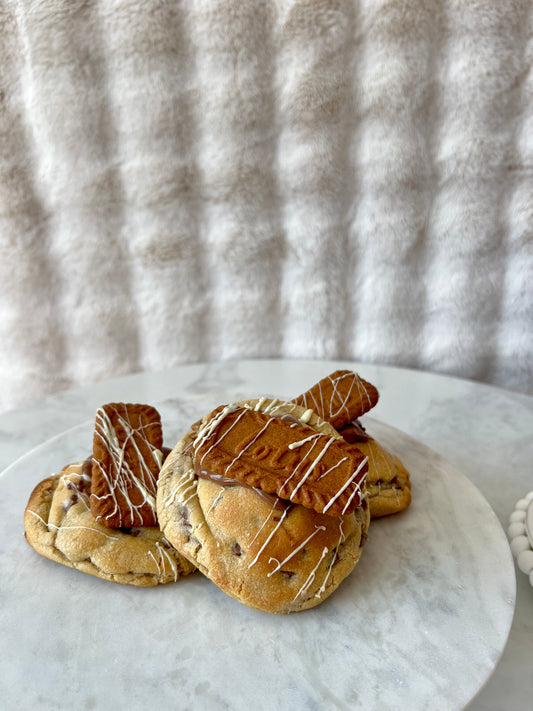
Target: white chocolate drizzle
325, 407
293, 553
271, 513
165, 560
310, 580
188, 483
314, 439
269, 538
343, 488
214, 503
322, 588
122, 476
208, 430
55, 527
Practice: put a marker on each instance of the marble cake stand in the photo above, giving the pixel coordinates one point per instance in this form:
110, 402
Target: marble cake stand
422, 623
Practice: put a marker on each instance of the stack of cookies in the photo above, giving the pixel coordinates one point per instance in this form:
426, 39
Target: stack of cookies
270, 499
99, 515
340, 399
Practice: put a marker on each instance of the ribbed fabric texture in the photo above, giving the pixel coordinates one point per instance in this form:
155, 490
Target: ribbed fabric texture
192, 181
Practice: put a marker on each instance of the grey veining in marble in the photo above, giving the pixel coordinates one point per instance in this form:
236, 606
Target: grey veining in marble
420, 624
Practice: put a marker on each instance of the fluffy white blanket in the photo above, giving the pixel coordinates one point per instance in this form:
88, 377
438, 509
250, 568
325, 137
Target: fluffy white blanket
185, 181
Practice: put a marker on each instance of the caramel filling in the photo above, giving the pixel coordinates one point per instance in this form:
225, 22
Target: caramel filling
354, 432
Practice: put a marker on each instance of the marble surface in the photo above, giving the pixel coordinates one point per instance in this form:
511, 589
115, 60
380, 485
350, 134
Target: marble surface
483, 437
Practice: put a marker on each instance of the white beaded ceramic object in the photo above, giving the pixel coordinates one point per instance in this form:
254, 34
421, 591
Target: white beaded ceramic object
520, 532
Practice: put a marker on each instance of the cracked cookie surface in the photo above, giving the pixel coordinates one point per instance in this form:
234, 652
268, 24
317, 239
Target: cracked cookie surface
59, 526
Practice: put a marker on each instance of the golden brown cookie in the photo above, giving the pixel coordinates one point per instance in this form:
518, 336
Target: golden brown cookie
60, 526
388, 484
268, 553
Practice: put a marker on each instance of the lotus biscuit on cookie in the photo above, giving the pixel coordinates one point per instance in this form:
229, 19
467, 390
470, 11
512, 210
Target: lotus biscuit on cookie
98, 515
271, 500
341, 399
268, 501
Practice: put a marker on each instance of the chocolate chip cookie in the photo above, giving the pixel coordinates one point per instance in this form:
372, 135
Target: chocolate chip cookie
59, 525
270, 553
388, 483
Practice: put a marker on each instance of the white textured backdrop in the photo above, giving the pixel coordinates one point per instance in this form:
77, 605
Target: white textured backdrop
208, 179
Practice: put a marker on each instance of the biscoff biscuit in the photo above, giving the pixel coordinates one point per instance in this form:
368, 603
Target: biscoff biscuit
60, 526
340, 398
127, 454
271, 555
282, 457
